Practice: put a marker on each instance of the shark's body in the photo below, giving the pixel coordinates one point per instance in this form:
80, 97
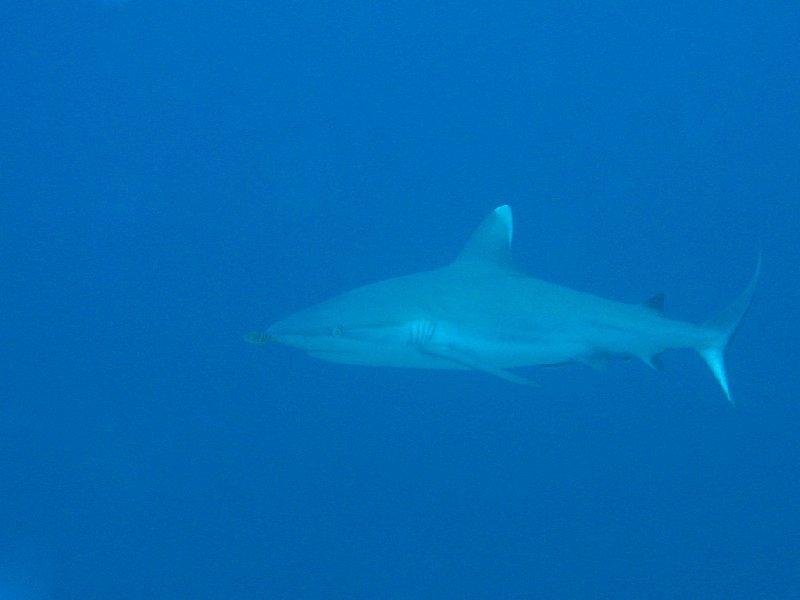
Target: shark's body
481, 313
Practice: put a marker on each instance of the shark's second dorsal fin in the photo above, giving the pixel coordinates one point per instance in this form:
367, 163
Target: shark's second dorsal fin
491, 242
655, 303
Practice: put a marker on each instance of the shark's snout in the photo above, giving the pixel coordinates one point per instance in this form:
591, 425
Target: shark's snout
289, 331
299, 331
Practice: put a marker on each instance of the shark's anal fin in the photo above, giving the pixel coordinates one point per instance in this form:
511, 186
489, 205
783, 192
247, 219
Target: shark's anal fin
465, 360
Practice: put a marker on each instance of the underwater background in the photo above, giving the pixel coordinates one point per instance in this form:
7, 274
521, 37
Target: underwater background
174, 175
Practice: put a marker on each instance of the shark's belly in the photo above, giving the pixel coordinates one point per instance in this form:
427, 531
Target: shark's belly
509, 354
440, 344
429, 344
382, 356
507, 349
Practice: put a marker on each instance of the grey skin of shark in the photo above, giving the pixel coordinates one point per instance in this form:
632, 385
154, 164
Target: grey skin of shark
481, 313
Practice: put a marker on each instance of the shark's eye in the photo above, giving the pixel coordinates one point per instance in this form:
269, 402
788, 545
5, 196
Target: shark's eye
337, 331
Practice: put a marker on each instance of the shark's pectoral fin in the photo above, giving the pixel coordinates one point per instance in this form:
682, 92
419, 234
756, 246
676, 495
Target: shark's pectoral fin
465, 360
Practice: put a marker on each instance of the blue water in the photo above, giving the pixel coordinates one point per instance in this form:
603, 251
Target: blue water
173, 175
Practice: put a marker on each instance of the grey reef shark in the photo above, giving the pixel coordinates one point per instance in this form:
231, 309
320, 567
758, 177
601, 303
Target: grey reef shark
482, 313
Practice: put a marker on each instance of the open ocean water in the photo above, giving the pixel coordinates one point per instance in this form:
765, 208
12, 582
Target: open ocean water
176, 174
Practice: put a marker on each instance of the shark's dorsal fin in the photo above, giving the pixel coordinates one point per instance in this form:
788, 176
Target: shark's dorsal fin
491, 242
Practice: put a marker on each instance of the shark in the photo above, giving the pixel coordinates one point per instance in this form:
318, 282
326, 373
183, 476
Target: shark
481, 313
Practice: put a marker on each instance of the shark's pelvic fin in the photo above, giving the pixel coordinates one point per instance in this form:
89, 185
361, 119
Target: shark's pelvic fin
724, 327
491, 242
654, 362
598, 362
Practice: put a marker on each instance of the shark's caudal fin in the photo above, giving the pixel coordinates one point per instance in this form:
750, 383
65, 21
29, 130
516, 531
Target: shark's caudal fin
723, 327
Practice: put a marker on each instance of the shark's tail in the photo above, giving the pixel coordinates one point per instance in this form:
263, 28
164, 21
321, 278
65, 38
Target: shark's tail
722, 329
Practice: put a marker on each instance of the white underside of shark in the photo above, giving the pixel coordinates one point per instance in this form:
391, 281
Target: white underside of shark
481, 313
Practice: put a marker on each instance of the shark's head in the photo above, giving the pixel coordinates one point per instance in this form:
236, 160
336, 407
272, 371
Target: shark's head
350, 328
314, 329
